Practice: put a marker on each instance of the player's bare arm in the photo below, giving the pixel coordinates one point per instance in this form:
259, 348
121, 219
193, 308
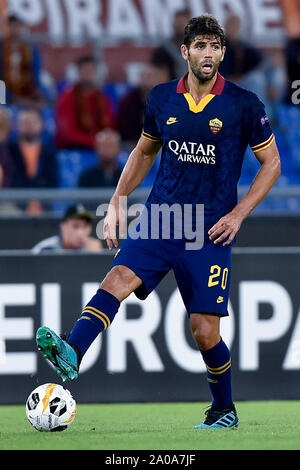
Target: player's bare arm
228, 226
135, 170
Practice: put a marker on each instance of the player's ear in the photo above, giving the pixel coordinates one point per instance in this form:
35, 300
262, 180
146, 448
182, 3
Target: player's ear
184, 52
223, 55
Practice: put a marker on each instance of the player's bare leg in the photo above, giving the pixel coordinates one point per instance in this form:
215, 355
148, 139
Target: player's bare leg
206, 330
216, 356
121, 282
66, 355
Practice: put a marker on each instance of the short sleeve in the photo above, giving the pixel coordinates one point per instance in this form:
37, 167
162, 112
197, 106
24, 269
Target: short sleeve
259, 132
151, 131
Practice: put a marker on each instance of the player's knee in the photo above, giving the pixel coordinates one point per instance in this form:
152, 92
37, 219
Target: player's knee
120, 282
205, 334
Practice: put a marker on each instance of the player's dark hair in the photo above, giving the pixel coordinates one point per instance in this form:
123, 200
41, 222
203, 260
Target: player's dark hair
205, 25
87, 59
13, 18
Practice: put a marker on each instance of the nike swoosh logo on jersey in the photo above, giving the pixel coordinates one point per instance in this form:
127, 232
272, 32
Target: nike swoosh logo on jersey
172, 120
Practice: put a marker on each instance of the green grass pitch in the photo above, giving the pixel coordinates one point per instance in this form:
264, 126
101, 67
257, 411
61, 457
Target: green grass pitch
263, 426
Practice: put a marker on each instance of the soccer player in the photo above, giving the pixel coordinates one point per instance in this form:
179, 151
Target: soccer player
203, 124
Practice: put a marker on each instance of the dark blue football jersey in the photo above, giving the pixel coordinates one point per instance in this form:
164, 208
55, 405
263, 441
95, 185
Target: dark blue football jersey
203, 145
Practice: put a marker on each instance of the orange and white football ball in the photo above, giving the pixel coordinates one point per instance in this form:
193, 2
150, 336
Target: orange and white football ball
50, 407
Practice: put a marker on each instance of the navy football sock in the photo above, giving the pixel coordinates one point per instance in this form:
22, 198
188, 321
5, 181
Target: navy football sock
218, 364
96, 317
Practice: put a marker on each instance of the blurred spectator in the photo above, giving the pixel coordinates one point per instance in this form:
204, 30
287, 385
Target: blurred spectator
292, 51
166, 63
34, 159
107, 173
6, 166
75, 234
5, 156
170, 51
132, 106
19, 64
3, 17
247, 66
82, 109
275, 83
240, 58
162, 60
291, 13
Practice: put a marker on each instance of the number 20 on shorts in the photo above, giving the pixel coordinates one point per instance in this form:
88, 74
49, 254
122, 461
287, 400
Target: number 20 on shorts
217, 276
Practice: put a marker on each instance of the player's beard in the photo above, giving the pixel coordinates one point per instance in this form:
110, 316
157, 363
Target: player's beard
203, 77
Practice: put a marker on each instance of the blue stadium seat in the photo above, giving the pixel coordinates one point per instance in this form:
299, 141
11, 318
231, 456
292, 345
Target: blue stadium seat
288, 142
116, 91
49, 120
289, 125
72, 163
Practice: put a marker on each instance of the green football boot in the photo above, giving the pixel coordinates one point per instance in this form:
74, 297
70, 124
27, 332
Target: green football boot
59, 353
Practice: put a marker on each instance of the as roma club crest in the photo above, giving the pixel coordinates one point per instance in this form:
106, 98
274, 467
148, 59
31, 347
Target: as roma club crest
215, 125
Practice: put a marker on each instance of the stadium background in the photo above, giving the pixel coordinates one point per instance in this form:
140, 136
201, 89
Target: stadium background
148, 355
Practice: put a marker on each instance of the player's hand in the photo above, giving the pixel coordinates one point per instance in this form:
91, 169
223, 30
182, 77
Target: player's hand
115, 217
226, 229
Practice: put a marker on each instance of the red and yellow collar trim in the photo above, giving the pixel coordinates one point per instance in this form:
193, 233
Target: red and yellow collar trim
198, 108
217, 89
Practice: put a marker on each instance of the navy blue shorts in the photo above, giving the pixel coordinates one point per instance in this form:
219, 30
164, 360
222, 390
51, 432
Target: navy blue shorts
203, 276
